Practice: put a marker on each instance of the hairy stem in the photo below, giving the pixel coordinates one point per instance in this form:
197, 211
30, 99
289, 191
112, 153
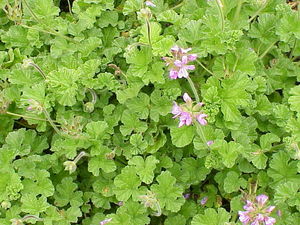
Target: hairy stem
24, 116
51, 122
79, 156
220, 6
204, 67
39, 70
267, 50
257, 12
193, 89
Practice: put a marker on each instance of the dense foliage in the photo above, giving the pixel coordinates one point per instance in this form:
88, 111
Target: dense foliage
86, 130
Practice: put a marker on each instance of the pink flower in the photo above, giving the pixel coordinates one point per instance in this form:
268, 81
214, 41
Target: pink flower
209, 143
270, 221
257, 213
183, 67
187, 98
150, 4
176, 110
262, 199
185, 119
178, 64
173, 74
187, 195
201, 119
103, 222
244, 217
204, 200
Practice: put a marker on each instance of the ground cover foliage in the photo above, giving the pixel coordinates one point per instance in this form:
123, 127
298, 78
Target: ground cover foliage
86, 130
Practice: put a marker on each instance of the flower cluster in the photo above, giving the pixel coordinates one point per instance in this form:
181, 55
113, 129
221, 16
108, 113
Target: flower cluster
178, 64
187, 112
257, 212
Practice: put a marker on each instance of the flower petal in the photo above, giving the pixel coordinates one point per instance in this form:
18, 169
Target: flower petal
192, 57
186, 98
262, 199
173, 74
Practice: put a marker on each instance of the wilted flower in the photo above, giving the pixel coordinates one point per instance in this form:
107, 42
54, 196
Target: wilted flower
70, 166
209, 143
178, 64
203, 201
187, 195
150, 4
257, 212
105, 221
34, 105
188, 112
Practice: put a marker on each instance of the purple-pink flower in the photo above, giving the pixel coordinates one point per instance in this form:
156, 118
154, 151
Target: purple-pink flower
106, 221
257, 212
178, 64
188, 112
150, 4
203, 201
209, 143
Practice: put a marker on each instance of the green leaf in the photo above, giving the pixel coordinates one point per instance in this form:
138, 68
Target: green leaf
144, 168
131, 6
137, 213
193, 170
33, 205
139, 105
286, 192
97, 130
168, 194
63, 83
283, 170
233, 182
182, 136
288, 25
44, 9
131, 123
16, 36
127, 183
100, 160
65, 193
211, 217
229, 152
294, 99
139, 61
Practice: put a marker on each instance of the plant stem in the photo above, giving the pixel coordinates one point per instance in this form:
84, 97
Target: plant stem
237, 11
79, 156
39, 70
267, 50
24, 116
257, 12
193, 89
149, 31
177, 6
70, 7
94, 95
204, 67
50, 32
220, 6
51, 122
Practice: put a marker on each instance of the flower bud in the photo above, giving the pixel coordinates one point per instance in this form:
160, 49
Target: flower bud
27, 63
5, 205
70, 166
16, 222
89, 107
